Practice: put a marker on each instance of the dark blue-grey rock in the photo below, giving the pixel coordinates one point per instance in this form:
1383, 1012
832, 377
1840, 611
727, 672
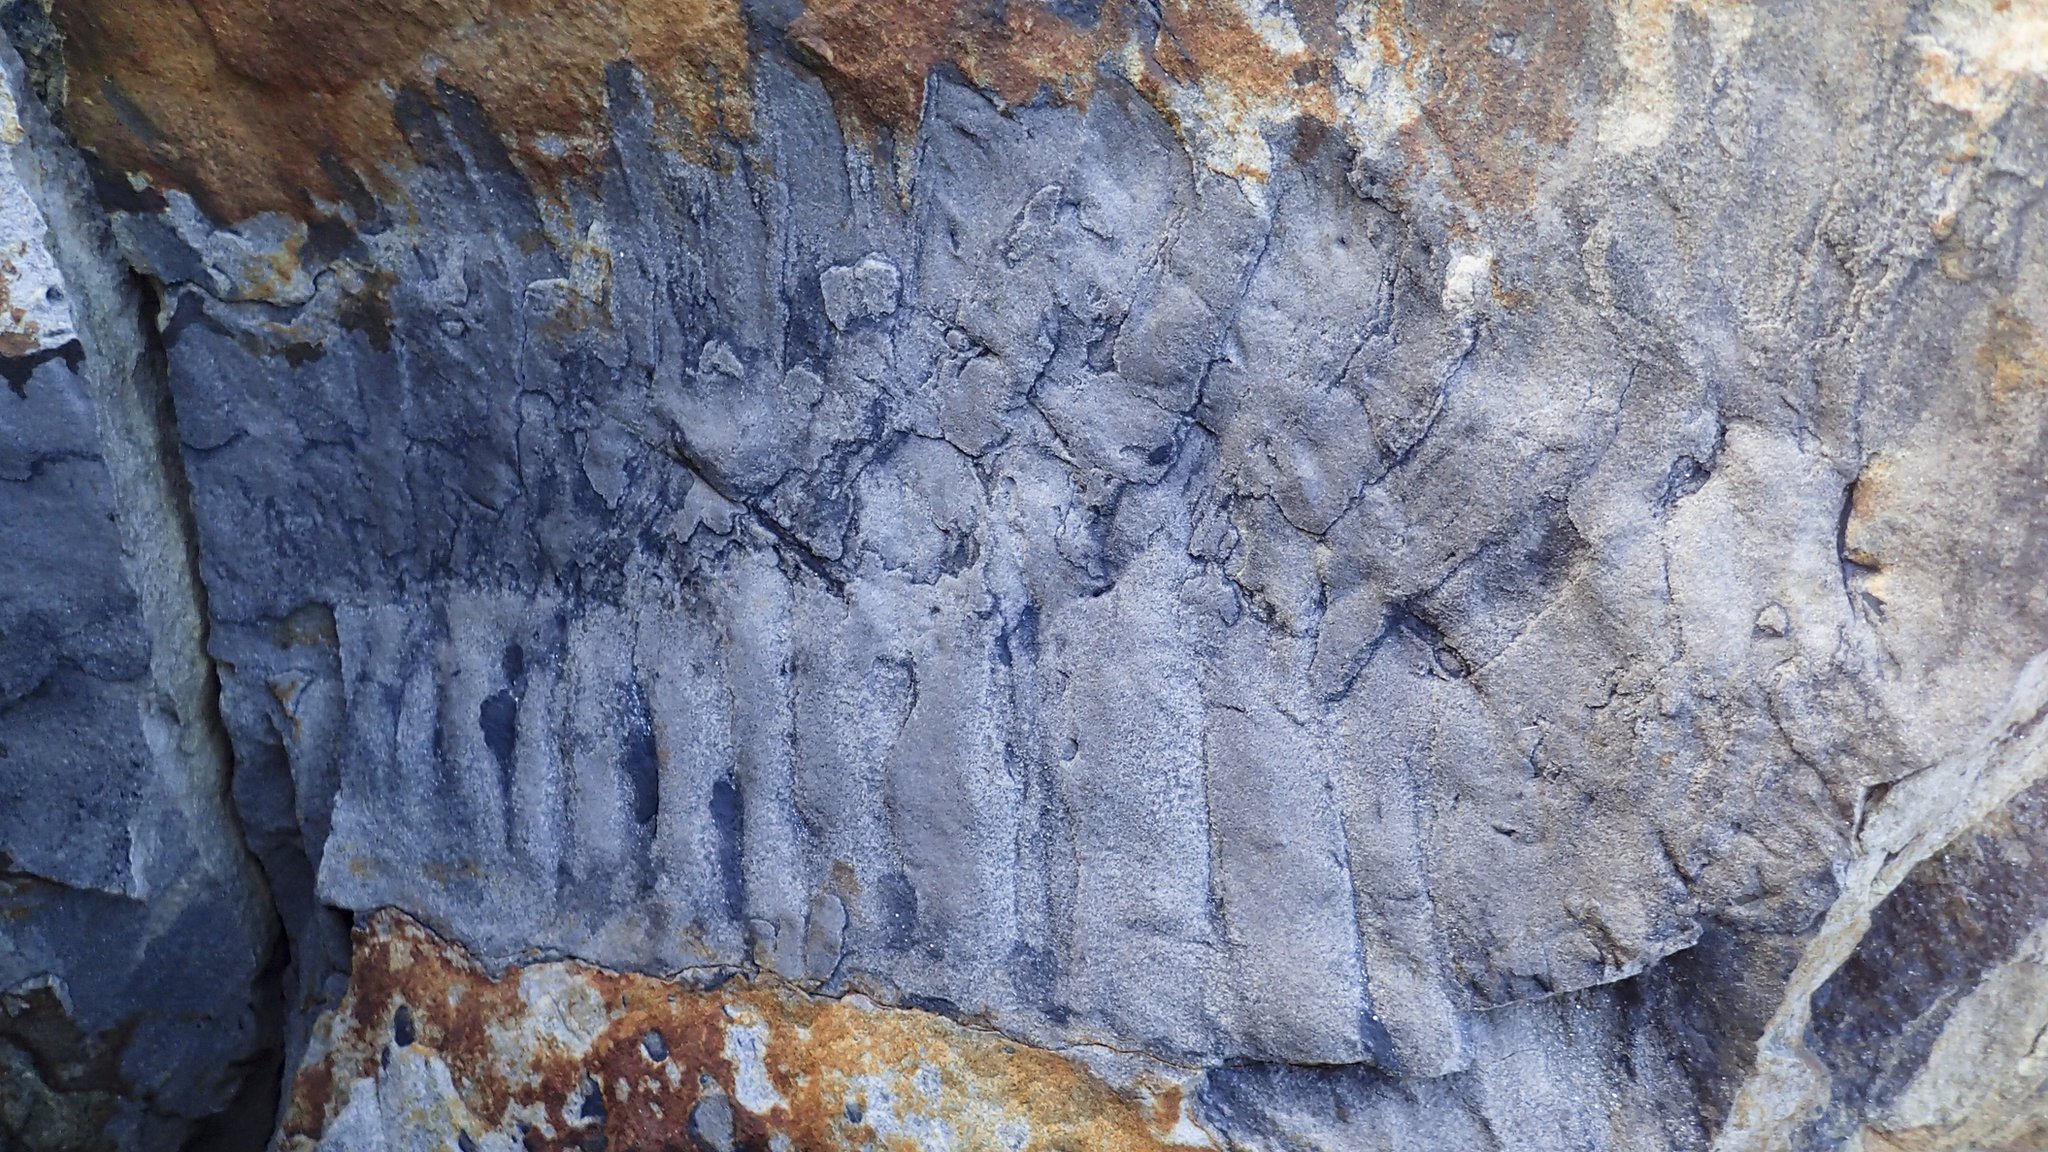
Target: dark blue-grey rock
136, 1009
1452, 575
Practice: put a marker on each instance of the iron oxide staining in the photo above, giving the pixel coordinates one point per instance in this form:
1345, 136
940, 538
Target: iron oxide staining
561, 1055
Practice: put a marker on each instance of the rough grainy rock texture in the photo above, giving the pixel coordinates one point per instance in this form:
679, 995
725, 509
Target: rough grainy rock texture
1318, 575
136, 932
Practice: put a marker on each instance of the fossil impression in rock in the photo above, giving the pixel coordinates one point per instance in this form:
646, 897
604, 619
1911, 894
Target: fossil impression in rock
1051, 575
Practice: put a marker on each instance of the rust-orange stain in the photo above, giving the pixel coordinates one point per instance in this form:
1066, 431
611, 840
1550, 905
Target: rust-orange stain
2011, 354
1500, 86
563, 1055
284, 105
264, 105
876, 55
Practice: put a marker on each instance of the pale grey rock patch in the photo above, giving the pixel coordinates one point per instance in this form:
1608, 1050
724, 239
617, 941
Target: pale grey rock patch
861, 291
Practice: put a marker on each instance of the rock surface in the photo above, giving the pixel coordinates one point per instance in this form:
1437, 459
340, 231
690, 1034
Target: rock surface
137, 1005
1419, 574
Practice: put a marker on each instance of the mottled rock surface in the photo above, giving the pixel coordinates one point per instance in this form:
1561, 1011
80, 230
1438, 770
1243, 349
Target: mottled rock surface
1405, 574
137, 1005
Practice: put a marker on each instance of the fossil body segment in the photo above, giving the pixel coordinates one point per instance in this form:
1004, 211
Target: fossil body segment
1267, 575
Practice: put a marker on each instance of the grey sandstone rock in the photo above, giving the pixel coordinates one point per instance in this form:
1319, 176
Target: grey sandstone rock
1451, 576
135, 1009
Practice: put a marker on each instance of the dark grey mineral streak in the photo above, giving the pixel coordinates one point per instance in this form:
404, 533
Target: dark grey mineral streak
1442, 576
